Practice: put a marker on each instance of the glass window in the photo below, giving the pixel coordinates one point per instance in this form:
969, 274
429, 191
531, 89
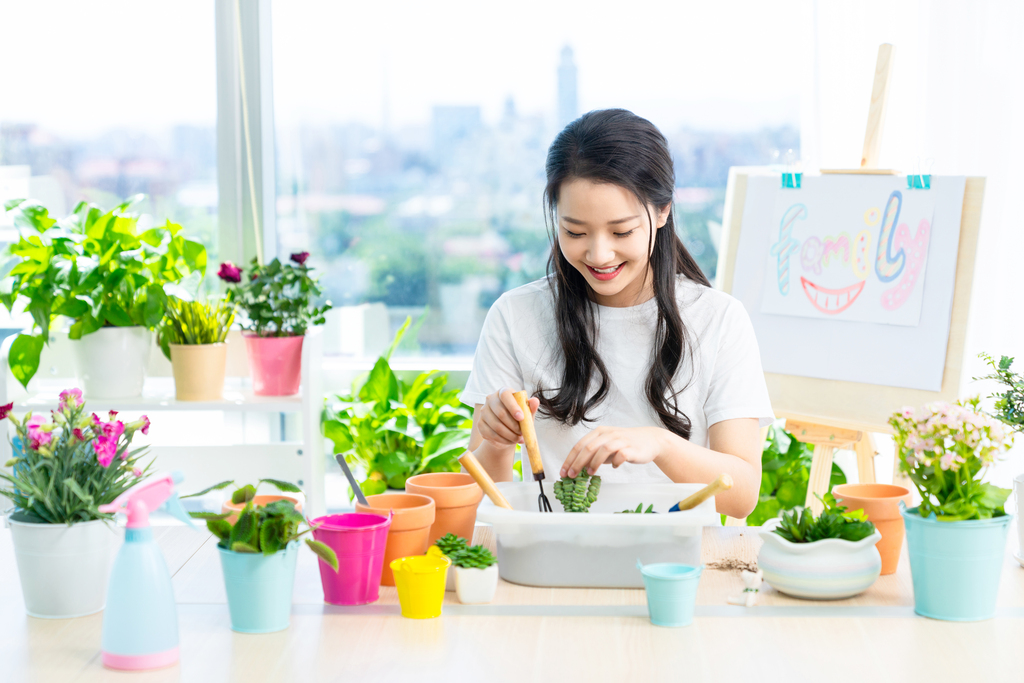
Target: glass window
102, 100
411, 137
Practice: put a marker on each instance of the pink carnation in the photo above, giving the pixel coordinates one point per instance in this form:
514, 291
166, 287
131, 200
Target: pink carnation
300, 257
37, 437
70, 398
106, 449
136, 472
145, 424
229, 272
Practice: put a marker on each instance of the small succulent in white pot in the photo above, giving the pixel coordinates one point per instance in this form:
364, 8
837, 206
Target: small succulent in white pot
829, 557
476, 575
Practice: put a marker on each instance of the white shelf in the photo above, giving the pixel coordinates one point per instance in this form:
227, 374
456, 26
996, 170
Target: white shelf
158, 394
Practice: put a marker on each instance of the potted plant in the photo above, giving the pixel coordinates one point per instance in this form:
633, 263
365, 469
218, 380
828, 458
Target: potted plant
828, 557
392, 429
956, 537
785, 472
193, 336
257, 556
244, 495
277, 300
476, 575
110, 280
62, 471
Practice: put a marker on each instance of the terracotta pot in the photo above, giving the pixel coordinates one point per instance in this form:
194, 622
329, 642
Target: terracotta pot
258, 501
880, 502
410, 527
456, 496
275, 364
199, 371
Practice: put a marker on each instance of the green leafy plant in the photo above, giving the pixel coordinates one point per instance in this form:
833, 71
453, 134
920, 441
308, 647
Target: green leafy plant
392, 429
1009, 404
92, 267
639, 510
450, 544
945, 449
265, 529
64, 469
244, 494
474, 557
277, 299
785, 473
194, 322
577, 494
833, 522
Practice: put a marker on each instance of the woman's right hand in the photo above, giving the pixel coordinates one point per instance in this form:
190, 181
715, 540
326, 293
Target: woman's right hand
498, 418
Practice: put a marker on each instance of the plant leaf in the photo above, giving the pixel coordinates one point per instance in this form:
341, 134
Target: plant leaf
239, 547
285, 486
323, 552
219, 528
215, 487
23, 358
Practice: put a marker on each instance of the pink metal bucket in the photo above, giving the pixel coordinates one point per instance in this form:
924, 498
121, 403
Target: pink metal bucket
358, 539
275, 364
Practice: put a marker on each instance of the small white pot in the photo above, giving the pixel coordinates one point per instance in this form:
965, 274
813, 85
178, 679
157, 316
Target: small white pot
476, 586
111, 362
824, 570
64, 569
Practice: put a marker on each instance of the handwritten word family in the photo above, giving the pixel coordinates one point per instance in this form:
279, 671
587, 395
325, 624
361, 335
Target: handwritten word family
897, 254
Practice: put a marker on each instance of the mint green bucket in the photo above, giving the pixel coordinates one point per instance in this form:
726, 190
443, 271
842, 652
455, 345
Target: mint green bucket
671, 592
955, 566
259, 588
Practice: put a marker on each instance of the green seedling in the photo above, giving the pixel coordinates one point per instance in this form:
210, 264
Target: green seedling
578, 493
474, 557
833, 522
451, 545
639, 510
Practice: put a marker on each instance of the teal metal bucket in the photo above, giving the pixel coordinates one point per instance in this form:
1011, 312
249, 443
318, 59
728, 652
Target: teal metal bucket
671, 592
260, 588
955, 566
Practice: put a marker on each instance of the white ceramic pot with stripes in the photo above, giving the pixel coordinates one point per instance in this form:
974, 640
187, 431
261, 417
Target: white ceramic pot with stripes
831, 569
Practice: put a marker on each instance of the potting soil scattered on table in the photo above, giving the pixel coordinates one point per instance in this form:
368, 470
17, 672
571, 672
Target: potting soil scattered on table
732, 564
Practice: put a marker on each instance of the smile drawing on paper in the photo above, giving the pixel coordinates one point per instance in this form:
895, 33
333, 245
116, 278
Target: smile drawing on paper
844, 258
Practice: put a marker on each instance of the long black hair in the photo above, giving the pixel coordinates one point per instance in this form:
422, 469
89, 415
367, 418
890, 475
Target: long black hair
618, 147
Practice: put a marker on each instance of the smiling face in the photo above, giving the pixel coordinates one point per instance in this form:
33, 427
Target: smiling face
605, 234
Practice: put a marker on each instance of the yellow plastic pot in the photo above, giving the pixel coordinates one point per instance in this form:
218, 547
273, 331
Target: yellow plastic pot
420, 581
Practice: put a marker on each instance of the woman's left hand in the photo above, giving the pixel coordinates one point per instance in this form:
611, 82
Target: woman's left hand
614, 445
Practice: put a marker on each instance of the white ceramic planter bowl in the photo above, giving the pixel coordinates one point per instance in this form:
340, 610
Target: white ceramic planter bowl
111, 362
64, 569
476, 586
831, 569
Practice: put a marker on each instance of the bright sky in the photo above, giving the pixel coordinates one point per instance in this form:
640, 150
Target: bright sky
81, 67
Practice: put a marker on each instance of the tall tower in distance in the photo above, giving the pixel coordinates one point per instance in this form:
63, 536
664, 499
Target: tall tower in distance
567, 107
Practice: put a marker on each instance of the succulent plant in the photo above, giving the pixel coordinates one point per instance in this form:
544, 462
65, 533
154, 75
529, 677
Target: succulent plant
474, 557
639, 510
577, 494
450, 544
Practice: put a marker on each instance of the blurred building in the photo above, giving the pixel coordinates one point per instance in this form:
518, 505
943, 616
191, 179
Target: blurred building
568, 108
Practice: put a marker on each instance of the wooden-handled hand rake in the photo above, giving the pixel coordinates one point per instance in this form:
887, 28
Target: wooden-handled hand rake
532, 449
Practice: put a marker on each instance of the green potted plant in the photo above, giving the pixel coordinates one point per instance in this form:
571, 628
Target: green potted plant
257, 556
110, 280
957, 535
827, 557
193, 336
246, 494
62, 470
476, 575
785, 472
392, 429
278, 304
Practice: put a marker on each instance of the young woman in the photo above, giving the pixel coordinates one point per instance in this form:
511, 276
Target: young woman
633, 360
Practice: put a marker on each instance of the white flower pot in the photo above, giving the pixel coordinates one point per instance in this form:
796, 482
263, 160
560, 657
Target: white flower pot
111, 362
476, 586
64, 569
824, 570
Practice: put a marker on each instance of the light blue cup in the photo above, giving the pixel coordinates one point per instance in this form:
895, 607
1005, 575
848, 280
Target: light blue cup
671, 592
260, 588
955, 566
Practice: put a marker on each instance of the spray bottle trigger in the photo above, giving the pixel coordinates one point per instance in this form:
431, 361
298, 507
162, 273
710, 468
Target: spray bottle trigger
173, 507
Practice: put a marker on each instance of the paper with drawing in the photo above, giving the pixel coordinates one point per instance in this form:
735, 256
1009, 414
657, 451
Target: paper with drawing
852, 253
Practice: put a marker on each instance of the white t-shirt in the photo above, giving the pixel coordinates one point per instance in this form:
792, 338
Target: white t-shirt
519, 349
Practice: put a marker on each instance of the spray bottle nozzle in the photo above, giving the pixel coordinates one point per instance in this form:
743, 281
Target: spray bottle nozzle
152, 494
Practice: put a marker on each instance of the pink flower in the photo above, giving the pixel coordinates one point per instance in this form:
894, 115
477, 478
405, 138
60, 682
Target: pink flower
947, 460
145, 424
300, 257
36, 435
113, 430
106, 449
229, 272
136, 472
70, 398
113, 414
6, 410
908, 412
79, 434
96, 420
